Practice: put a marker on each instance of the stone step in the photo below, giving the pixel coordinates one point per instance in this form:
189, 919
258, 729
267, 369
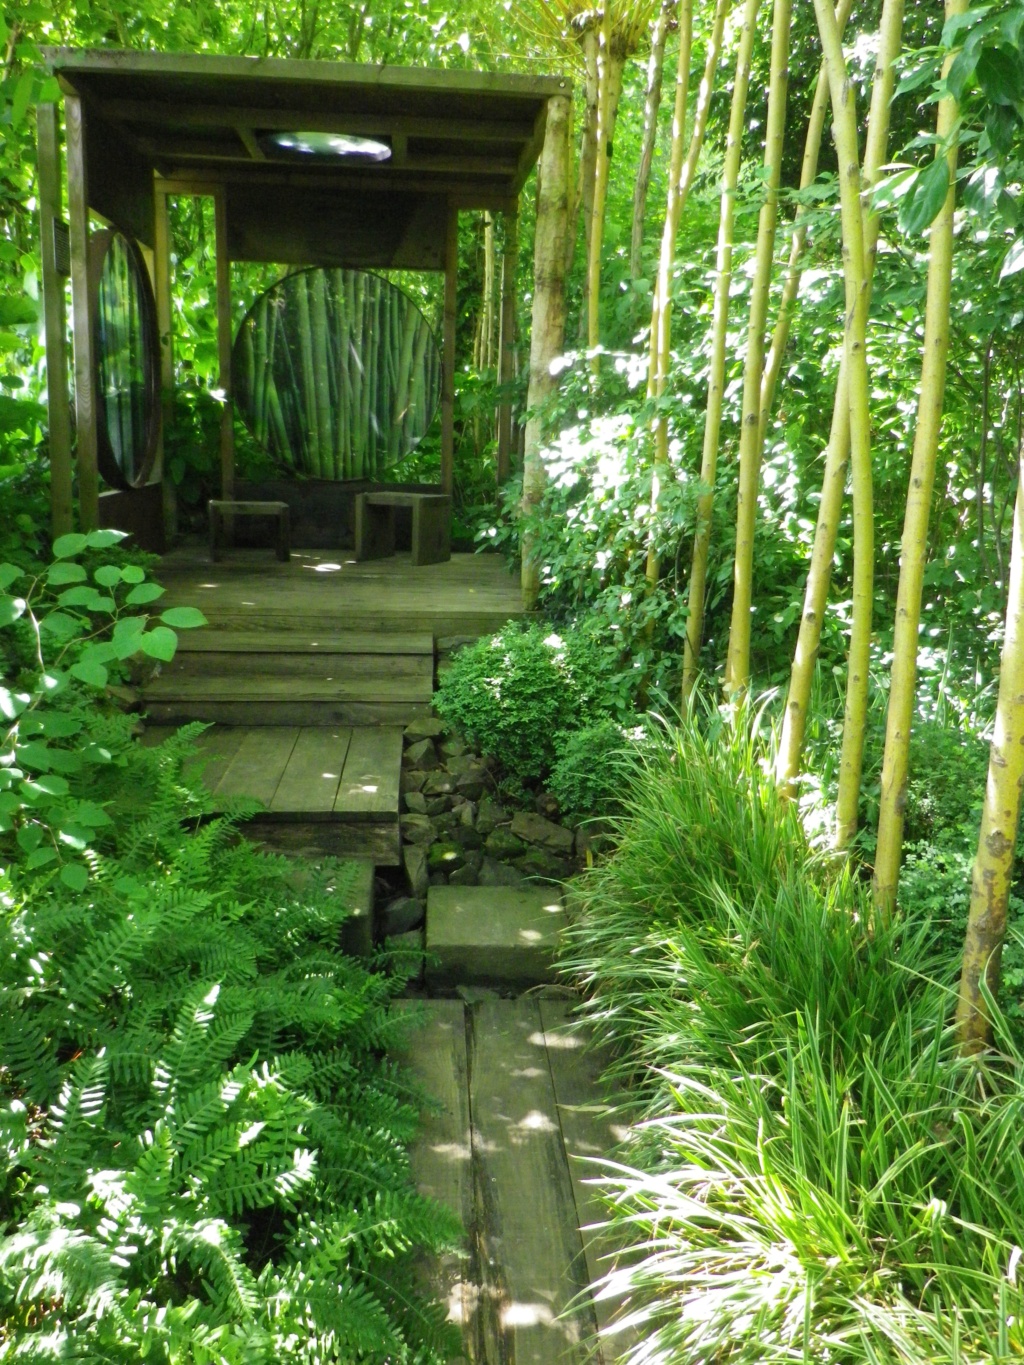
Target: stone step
492, 935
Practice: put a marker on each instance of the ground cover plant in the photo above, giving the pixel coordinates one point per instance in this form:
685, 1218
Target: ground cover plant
820, 1174
203, 1144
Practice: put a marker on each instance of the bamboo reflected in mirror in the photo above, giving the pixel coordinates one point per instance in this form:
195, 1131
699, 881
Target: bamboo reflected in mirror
336, 373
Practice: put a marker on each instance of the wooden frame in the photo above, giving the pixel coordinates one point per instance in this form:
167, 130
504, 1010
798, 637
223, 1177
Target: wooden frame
54, 321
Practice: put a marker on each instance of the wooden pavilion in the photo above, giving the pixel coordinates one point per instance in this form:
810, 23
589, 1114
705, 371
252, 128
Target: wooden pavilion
142, 127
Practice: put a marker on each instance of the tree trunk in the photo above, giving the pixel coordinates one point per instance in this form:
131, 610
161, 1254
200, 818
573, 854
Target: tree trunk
652, 104
716, 375
1000, 816
548, 329
844, 125
737, 668
610, 70
680, 179
584, 196
837, 454
931, 395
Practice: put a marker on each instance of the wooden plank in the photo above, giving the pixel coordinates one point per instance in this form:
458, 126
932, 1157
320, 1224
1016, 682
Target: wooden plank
261, 688
256, 768
217, 748
54, 322
369, 784
282, 713
87, 459
362, 669
531, 1252
451, 284
224, 332
313, 772
591, 1129
302, 642
378, 842
442, 1155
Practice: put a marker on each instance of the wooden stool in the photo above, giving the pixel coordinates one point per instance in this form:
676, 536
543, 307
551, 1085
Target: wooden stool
223, 510
431, 525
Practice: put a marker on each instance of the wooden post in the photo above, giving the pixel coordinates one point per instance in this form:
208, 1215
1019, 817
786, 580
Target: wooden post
548, 326
54, 323
227, 421
506, 343
85, 359
451, 280
162, 293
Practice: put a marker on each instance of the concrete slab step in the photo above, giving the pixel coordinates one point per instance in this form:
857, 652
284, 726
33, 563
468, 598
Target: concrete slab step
492, 935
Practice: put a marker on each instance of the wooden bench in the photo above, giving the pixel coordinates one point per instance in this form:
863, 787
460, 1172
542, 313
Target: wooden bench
431, 525
223, 511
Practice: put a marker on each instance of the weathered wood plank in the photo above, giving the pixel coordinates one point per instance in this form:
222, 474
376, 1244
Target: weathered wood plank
368, 668
441, 1157
531, 1252
313, 772
369, 784
260, 688
377, 841
257, 767
591, 1130
300, 642
297, 714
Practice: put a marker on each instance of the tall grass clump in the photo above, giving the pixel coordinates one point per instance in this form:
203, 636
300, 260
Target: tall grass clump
816, 1175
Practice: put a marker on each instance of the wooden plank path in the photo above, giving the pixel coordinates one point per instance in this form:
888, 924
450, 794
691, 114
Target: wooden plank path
520, 1106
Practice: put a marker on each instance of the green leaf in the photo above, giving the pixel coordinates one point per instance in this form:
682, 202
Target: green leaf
41, 857
1014, 259
93, 674
183, 618
89, 813
61, 626
65, 571
83, 596
12, 703
9, 573
75, 875
11, 608
102, 540
131, 573
1001, 76
74, 837
29, 838
959, 75
22, 97
72, 544
52, 784
922, 205
17, 310
160, 643
145, 592
57, 726
108, 575
102, 652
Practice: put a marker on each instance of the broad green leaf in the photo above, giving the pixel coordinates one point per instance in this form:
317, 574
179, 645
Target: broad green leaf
50, 784
72, 544
29, 838
82, 596
75, 875
17, 310
102, 540
108, 575
12, 703
1014, 259
11, 608
131, 573
61, 626
22, 96
65, 571
959, 75
102, 652
920, 208
53, 681
41, 857
160, 643
9, 573
1001, 76
57, 726
183, 618
145, 592
74, 837
35, 755
89, 813
93, 674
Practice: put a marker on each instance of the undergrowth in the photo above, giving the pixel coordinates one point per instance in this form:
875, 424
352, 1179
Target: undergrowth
817, 1175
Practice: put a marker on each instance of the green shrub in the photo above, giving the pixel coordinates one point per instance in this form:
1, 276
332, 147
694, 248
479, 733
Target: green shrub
818, 1176
593, 770
514, 693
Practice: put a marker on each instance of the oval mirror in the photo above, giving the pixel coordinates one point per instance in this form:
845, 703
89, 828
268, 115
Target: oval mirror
336, 373
127, 349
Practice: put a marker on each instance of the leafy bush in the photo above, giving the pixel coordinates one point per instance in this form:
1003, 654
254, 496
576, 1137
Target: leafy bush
512, 694
818, 1175
202, 1144
593, 770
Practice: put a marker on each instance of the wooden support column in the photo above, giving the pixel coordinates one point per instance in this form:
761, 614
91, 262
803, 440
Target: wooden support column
54, 321
451, 279
548, 325
227, 419
506, 343
162, 294
85, 358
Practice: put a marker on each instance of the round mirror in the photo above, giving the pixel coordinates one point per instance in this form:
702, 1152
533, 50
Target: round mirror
336, 373
127, 350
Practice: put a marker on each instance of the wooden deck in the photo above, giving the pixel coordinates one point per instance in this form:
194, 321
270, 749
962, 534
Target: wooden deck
520, 1109
325, 591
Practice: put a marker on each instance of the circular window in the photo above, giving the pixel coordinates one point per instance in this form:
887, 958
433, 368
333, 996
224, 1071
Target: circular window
127, 349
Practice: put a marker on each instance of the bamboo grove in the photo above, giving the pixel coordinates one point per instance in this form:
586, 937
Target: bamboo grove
722, 39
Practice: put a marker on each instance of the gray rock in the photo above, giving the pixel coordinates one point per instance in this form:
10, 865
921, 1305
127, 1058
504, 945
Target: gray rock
466, 836
421, 755
438, 879
453, 748
466, 813
536, 830
595, 838
414, 856
416, 802
417, 829
429, 727
439, 784
445, 857
538, 862
411, 780
547, 805
502, 843
401, 915
490, 814
471, 776
493, 873
463, 876
438, 805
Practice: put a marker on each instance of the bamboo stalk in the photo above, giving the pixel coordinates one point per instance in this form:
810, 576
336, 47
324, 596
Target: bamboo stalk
931, 395
837, 453
737, 667
308, 372
321, 379
716, 375
610, 71
652, 105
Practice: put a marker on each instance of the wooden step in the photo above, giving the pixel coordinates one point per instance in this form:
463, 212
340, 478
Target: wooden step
173, 711
492, 935
299, 641
366, 670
